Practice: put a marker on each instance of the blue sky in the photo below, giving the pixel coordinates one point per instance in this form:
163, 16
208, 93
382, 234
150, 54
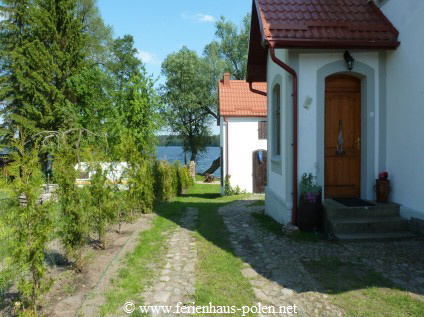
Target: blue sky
163, 26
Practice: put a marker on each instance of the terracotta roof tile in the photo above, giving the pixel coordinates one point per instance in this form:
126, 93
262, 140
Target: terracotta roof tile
242, 99
293, 23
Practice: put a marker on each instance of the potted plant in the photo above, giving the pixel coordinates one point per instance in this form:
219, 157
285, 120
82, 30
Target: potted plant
382, 187
310, 213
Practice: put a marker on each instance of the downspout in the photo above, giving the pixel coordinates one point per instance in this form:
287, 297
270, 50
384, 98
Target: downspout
226, 147
293, 73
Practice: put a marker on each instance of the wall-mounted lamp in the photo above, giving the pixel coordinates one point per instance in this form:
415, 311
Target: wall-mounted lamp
349, 60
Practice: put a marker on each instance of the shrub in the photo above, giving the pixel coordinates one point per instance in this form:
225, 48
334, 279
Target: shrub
101, 203
170, 180
140, 186
229, 190
30, 225
165, 181
73, 202
184, 180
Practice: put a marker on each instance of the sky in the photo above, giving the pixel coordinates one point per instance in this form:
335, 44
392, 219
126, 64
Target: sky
161, 27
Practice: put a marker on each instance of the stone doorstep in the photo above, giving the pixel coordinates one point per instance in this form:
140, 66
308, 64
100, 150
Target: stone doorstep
370, 225
381, 222
374, 236
333, 209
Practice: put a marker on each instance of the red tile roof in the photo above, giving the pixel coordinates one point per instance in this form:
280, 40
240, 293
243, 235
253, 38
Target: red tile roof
325, 23
238, 98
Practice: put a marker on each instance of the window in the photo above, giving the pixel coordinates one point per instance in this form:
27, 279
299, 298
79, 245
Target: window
276, 124
262, 133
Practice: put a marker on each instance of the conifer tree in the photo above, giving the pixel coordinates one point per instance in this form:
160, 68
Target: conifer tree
41, 58
30, 225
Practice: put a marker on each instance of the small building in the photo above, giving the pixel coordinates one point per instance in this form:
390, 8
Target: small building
345, 98
242, 118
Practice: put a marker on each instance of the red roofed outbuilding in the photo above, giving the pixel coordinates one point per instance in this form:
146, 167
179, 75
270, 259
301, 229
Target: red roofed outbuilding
242, 117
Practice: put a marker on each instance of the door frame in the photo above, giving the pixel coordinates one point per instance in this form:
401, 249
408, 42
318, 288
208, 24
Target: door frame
265, 163
329, 156
368, 122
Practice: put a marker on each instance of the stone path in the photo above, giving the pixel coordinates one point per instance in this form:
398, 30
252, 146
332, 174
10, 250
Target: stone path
176, 282
277, 277
274, 263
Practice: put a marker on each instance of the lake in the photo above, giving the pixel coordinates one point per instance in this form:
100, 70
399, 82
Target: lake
175, 153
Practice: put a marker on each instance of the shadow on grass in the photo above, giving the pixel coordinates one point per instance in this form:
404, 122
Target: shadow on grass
203, 196
333, 276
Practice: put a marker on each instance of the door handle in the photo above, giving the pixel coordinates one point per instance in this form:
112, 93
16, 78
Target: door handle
358, 143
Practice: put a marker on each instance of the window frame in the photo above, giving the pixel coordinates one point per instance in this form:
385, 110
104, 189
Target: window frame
276, 124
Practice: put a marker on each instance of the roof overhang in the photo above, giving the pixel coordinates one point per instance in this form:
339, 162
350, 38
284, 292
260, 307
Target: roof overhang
258, 53
259, 43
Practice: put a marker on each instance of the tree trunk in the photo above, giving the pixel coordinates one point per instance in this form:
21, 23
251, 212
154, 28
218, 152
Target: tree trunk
215, 165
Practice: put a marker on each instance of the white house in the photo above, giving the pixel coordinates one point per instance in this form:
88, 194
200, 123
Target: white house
242, 111
351, 68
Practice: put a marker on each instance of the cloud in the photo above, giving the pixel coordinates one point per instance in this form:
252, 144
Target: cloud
148, 58
198, 17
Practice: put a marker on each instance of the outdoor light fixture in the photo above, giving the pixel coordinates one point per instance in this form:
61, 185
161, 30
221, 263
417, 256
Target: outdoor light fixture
349, 60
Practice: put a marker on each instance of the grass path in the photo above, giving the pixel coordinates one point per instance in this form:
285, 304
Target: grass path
218, 277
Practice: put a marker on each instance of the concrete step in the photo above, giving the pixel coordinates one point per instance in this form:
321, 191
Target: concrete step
375, 236
335, 210
368, 225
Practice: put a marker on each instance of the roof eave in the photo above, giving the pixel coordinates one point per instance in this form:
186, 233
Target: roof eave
343, 44
245, 115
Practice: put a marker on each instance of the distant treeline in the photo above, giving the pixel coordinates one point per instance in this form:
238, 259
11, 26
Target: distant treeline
175, 140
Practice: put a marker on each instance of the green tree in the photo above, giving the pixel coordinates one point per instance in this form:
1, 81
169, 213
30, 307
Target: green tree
135, 101
226, 54
101, 204
47, 48
68, 150
50, 50
30, 224
233, 45
186, 96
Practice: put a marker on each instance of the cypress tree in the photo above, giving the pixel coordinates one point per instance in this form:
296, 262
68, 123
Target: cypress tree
43, 49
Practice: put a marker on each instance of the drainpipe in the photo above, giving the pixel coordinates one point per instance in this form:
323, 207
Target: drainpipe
226, 146
293, 73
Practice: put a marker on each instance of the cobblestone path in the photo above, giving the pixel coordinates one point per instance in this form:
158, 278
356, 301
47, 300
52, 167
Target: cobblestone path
276, 275
274, 263
175, 282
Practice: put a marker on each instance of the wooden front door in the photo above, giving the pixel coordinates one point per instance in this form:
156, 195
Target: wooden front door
259, 159
342, 136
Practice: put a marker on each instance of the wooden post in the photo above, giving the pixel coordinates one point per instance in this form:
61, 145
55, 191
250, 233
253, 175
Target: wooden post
192, 169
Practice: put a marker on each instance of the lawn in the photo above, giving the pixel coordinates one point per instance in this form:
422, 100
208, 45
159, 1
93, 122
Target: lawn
361, 291
218, 270
358, 290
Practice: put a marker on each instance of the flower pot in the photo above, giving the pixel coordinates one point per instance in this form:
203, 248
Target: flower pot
382, 190
310, 214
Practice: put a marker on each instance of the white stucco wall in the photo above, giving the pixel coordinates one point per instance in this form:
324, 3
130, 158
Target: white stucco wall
308, 63
243, 141
405, 106
278, 203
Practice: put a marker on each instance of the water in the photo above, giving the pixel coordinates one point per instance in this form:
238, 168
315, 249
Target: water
203, 162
